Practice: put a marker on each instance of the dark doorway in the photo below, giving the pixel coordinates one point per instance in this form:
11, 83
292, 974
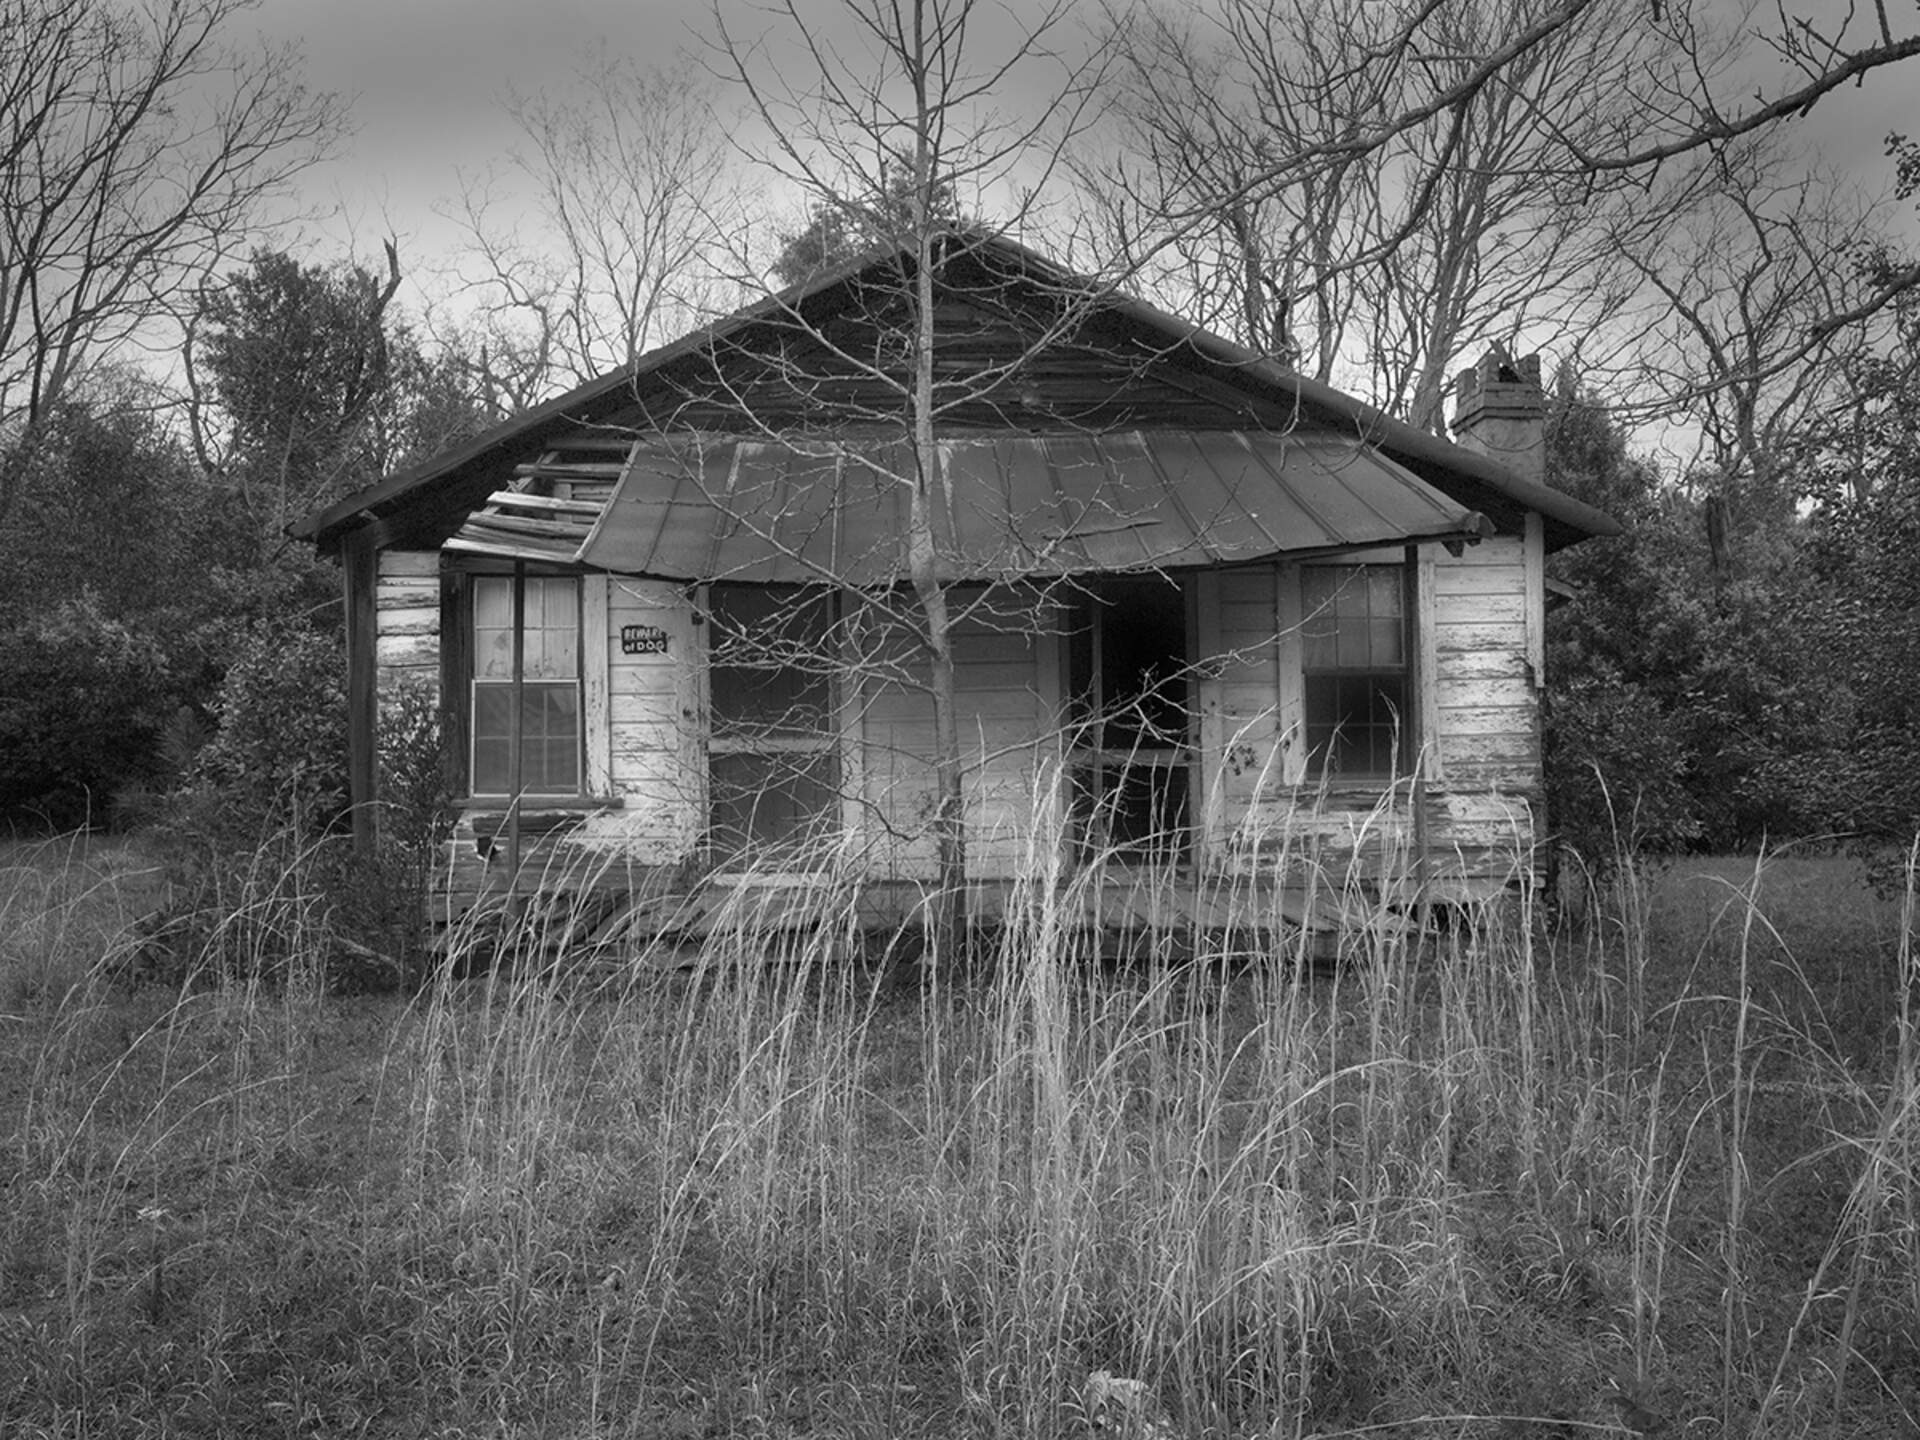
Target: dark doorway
1131, 745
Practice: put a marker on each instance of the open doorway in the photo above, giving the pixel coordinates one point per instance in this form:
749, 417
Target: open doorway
1131, 742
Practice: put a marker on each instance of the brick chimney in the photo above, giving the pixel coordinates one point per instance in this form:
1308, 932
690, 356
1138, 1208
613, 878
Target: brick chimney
1499, 411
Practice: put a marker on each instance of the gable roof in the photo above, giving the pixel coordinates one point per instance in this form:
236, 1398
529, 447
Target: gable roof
1118, 365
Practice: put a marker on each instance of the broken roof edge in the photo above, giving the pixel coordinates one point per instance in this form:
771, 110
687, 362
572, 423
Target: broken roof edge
320, 525
1475, 528
675, 534
1397, 438
664, 530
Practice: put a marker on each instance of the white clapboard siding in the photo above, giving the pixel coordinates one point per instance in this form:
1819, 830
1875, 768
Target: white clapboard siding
406, 617
648, 722
1486, 693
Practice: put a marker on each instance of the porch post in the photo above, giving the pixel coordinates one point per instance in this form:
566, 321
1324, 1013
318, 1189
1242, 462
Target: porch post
516, 758
359, 568
1416, 736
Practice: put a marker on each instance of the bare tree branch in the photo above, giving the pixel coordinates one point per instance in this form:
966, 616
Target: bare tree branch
630, 197
136, 150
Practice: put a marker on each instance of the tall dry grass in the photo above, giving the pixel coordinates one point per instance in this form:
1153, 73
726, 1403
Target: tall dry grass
1480, 1180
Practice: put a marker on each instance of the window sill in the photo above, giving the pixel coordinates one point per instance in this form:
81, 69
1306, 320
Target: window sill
1351, 785
573, 804
492, 816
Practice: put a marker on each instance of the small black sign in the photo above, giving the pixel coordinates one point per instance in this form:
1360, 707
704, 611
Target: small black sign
642, 640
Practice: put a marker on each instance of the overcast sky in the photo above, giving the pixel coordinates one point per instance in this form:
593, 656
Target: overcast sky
427, 78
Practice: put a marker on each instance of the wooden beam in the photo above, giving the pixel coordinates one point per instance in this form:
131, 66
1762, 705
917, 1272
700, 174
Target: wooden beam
596, 642
360, 564
517, 550
516, 755
520, 500
456, 676
1422, 681
571, 469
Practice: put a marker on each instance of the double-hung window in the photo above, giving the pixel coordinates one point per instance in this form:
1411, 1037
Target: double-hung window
1354, 669
549, 722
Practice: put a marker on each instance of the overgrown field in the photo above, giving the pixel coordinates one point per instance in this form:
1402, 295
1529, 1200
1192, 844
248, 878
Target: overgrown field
1657, 1173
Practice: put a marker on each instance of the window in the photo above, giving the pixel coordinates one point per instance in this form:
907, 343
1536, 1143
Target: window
773, 771
1354, 664
550, 741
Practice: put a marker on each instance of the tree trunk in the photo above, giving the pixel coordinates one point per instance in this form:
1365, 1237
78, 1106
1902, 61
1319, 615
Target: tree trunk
947, 916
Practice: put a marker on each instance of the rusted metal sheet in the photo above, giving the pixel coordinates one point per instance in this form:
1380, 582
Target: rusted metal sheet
785, 512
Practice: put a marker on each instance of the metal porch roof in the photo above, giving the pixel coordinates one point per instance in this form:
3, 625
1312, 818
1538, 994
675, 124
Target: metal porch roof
727, 508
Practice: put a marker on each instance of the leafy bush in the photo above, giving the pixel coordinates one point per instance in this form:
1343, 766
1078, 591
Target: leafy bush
383, 895
250, 834
281, 746
1615, 771
268, 883
85, 701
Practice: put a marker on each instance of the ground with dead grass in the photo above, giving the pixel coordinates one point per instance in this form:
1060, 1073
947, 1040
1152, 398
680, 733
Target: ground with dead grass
1655, 1175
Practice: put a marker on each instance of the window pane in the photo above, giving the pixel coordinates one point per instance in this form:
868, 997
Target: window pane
549, 655
1383, 590
492, 710
538, 591
1383, 643
1351, 653
1355, 724
490, 766
551, 646
771, 666
549, 738
1320, 651
492, 627
1319, 588
492, 601
1318, 583
1355, 617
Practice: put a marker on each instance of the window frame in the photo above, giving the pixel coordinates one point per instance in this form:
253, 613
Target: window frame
476, 582
1324, 749
800, 745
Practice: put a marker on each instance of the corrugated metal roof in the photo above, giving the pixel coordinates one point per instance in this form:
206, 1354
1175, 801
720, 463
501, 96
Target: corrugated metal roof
772, 512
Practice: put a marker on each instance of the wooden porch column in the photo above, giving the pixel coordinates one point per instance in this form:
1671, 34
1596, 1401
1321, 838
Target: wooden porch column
516, 756
1417, 737
359, 568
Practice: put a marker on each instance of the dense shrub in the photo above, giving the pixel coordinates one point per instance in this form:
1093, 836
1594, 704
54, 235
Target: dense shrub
384, 893
249, 835
1679, 683
1615, 776
268, 883
281, 746
85, 699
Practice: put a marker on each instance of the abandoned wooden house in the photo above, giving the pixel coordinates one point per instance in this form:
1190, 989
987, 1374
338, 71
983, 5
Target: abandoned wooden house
1207, 616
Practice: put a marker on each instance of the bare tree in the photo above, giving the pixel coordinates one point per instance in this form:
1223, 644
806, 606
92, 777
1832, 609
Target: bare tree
1370, 190
1286, 172
136, 149
1762, 299
597, 241
892, 121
